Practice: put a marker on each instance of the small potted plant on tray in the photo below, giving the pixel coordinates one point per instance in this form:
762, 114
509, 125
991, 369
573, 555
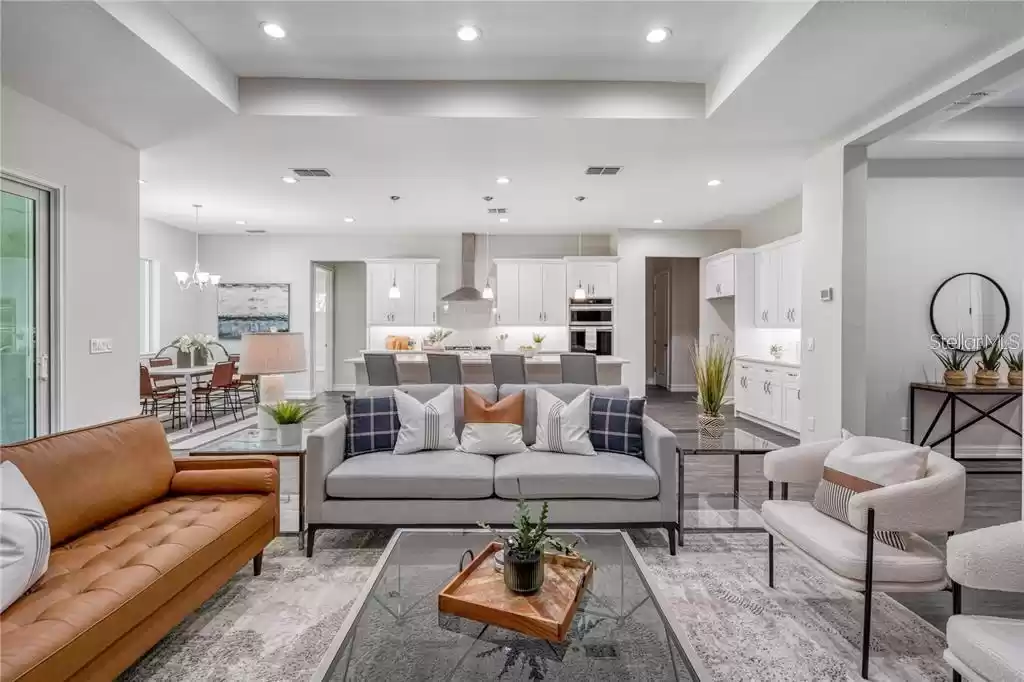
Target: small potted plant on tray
289, 417
712, 367
1015, 361
955, 361
988, 365
523, 549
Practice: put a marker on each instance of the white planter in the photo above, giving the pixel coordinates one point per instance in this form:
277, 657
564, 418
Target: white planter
289, 434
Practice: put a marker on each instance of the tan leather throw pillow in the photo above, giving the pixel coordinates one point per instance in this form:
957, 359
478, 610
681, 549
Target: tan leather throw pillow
492, 428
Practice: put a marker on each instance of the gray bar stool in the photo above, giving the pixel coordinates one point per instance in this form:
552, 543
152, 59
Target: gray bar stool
444, 368
508, 368
579, 368
381, 369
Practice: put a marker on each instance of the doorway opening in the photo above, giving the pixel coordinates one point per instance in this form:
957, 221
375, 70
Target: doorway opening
673, 322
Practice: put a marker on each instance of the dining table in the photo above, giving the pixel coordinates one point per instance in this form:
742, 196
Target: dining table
190, 377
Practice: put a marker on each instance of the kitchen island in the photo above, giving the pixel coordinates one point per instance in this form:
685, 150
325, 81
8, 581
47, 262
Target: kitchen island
543, 368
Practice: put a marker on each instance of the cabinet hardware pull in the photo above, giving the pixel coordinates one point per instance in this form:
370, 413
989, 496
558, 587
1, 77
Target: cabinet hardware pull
798, 394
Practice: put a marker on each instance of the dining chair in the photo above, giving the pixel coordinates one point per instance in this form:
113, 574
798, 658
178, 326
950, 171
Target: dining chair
579, 368
164, 382
508, 368
223, 383
444, 368
381, 368
155, 398
247, 383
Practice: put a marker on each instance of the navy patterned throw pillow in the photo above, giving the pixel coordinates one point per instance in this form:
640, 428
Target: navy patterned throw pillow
617, 425
372, 425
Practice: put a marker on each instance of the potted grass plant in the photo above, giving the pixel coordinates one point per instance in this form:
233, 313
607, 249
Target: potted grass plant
1015, 363
988, 364
289, 417
523, 549
538, 340
955, 363
712, 367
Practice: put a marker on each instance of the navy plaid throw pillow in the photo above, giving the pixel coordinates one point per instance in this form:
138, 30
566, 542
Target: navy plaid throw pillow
372, 425
617, 425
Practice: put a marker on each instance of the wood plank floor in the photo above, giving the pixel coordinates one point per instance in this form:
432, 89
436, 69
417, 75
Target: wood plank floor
991, 499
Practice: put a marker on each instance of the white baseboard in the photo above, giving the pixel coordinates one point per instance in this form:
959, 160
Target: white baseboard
683, 388
298, 395
344, 387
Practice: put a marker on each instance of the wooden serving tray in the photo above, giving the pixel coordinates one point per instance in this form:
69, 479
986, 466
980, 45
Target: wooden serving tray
478, 592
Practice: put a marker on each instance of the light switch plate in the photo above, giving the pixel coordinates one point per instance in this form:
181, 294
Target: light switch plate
810, 423
97, 346
810, 343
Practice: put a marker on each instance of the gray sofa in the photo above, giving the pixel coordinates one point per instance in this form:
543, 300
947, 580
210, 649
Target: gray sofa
451, 488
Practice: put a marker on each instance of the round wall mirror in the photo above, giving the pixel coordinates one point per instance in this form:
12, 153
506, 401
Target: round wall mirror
969, 311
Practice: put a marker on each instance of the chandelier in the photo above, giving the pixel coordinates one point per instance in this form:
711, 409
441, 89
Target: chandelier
199, 278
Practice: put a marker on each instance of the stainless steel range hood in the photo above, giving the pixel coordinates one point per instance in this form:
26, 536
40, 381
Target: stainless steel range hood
467, 293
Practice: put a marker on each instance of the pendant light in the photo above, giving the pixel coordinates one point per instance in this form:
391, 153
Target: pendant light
488, 292
579, 294
394, 292
200, 278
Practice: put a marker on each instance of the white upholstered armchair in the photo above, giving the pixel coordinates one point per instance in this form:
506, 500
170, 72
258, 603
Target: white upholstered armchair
985, 648
933, 504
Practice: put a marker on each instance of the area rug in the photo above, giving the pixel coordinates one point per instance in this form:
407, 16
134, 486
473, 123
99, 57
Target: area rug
276, 627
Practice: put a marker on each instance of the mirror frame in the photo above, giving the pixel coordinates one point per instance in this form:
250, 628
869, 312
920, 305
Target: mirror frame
1006, 302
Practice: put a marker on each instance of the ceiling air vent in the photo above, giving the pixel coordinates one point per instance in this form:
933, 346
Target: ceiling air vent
497, 211
255, 231
311, 172
970, 101
603, 170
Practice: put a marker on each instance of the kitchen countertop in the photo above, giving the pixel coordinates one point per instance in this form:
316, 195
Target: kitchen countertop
768, 361
484, 358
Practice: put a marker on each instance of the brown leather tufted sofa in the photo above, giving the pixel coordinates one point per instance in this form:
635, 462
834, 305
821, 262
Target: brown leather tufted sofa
138, 540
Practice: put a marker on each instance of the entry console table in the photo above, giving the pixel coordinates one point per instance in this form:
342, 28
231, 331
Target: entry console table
958, 395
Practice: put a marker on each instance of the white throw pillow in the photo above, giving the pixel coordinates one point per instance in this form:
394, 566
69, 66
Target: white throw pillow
24, 535
425, 426
563, 428
863, 463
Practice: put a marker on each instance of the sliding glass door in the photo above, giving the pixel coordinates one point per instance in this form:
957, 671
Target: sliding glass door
24, 311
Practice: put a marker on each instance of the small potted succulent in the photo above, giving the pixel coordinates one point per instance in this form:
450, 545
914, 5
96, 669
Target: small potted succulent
712, 367
988, 365
289, 417
776, 351
955, 361
435, 339
1015, 362
523, 549
538, 340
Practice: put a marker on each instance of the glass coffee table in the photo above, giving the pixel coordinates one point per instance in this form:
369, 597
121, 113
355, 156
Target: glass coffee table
394, 630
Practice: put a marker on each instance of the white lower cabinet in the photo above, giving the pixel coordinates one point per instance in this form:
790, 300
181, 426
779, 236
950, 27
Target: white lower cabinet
771, 393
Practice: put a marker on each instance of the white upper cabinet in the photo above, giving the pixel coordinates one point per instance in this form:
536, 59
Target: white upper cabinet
766, 289
507, 293
791, 257
555, 298
417, 288
720, 276
598, 278
777, 285
531, 293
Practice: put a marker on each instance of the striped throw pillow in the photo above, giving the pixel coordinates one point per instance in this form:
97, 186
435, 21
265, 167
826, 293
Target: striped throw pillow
24, 535
426, 426
860, 464
563, 428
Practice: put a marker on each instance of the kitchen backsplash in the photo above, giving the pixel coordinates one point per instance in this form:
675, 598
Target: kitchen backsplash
556, 338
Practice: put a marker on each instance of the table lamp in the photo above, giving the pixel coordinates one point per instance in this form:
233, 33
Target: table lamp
269, 355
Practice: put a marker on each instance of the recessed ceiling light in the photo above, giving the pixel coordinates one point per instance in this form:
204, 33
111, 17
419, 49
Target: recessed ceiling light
581, 198
273, 30
503, 180
502, 220
658, 221
289, 179
658, 35
468, 33
239, 222
141, 181
714, 183
349, 219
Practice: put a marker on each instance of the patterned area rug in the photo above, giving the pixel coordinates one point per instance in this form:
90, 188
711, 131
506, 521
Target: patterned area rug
277, 626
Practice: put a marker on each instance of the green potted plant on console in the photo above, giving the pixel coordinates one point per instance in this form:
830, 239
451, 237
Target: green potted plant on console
1015, 361
955, 361
988, 364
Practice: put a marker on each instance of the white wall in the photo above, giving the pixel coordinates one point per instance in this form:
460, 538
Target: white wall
634, 247
784, 219
99, 268
349, 320
920, 231
171, 249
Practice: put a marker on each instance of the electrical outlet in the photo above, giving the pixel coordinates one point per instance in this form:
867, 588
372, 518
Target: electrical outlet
97, 346
810, 423
904, 426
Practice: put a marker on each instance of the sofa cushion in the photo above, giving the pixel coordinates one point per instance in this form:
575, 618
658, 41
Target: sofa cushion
433, 475
843, 548
425, 392
550, 475
112, 468
492, 428
426, 426
990, 646
564, 392
617, 425
101, 585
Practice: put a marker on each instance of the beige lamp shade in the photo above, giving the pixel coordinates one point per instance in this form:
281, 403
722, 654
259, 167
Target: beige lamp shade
272, 353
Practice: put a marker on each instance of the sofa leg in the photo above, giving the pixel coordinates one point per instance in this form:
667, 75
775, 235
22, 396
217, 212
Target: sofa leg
310, 534
865, 646
957, 599
671, 530
257, 563
771, 560
957, 677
